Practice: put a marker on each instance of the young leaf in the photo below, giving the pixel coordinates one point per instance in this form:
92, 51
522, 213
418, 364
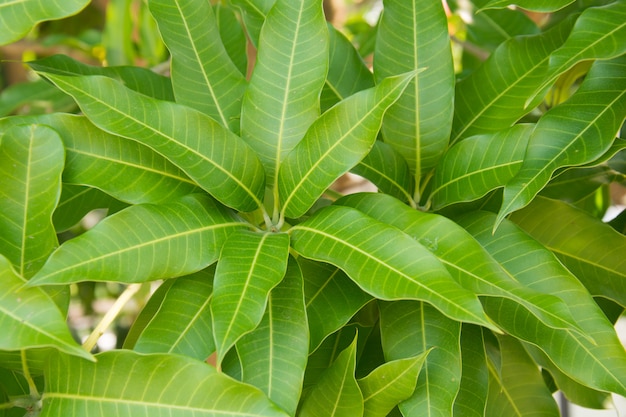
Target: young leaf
273, 356
31, 162
127, 383
224, 165
203, 76
337, 393
335, 143
250, 265
144, 242
573, 133
282, 99
29, 318
384, 261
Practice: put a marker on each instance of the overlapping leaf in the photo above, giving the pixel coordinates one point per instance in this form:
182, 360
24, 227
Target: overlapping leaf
128, 383
144, 242
384, 261
203, 76
31, 162
334, 144
233, 36
574, 133
35, 95
253, 13
489, 28
541, 6
472, 396
224, 165
76, 201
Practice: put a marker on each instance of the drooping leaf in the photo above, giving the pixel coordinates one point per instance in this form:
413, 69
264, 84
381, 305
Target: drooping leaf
233, 36
250, 265
573, 133
203, 76
18, 17
224, 166
472, 396
413, 328
541, 6
144, 242
335, 143
274, 355
127, 383
29, 318
384, 261
418, 124
282, 99
337, 393
253, 13
31, 162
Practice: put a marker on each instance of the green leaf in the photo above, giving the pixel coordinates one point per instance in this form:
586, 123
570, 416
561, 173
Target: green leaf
253, 13
472, 396
182, 322
29, 318
223, 166
411, 35
233, 36
390, 384
337, 393
490, 28
203, 76
282, 99
76, 201
274, 355
144, 242
18, 17
573, 133
36, 97
127, 383
541, 6
479, 164
250, 265
335, 143
331, 299
384, 261
410, 328
31, 162
591, 249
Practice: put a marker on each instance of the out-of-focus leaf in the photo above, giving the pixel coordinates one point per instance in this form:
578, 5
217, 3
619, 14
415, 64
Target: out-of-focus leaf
541, 6
575, 184
117, 34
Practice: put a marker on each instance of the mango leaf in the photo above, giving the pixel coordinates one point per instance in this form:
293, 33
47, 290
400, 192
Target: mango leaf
37, 96
414, 328
203, 76
335, 143
559, 139
389, 384
118, 32
108, 162
598, 359
29, 318
282, 99
76, 201
223, 166
253, 13
490, 28
541, 6
31, 162
418, 124
472, 396
233, 36
18, 17
250, 265
479, 164
362, 247
591, 249
182, 322
337, 393
587, 181
190, 236
332, 298
127, 383
273, 356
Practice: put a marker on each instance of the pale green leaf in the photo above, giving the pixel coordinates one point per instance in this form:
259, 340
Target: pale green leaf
144, 242
479, 164
31, 162
203, 76
224, 165
337, 393
29, 318
118, 32
541, 6
384, 261
233, 36
125, 383
253, 13
414, 34
17, 17
282, 99
389, 384
472, 396
591, 249
574, 133
273, 356
250, 265
335, 143
413, 328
